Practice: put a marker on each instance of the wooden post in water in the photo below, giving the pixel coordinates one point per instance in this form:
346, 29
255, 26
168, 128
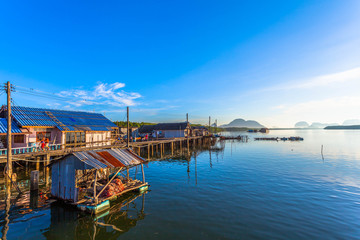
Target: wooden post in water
148, 151
143, 174
95, 180
172, 148
160, 150
47, 170
152, 150
37, 163
34, 180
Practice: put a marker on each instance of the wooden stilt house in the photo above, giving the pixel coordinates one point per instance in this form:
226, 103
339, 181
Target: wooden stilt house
66, 128
89, 179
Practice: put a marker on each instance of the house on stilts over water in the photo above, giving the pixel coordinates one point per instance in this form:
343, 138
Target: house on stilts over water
63, 129
91, 179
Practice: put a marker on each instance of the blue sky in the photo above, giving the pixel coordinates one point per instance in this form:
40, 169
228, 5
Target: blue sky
277, 62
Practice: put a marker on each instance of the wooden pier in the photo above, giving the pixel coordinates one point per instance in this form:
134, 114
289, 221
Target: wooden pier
150, 148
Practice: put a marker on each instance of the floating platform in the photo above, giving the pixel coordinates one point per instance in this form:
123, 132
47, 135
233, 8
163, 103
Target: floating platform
279, 139
234, 138
104, 204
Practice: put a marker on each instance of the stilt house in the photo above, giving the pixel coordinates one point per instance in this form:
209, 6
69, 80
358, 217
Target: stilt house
68, 128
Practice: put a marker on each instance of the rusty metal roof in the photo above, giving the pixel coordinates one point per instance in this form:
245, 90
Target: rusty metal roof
109, 158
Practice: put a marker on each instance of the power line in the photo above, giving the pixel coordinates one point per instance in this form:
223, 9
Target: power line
45, 96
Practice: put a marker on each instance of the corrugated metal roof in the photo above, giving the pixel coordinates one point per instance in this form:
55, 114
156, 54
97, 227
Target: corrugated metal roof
3, 126
109, 158
72, 120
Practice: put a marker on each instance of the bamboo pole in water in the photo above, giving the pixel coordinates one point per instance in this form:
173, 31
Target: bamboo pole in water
143, 174
95, 180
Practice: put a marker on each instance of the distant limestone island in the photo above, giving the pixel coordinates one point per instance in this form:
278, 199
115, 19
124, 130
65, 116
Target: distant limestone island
241, 124
347, 124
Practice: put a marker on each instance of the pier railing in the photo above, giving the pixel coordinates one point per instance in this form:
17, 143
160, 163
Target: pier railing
23, 150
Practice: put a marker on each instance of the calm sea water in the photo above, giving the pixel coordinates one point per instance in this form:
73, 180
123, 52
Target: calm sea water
253, 190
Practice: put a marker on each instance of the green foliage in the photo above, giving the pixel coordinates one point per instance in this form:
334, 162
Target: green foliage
123, 124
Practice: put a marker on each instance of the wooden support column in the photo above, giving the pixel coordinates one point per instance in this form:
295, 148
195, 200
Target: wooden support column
34, 180
188, 150
172, 148
148, 151
37, 163
161, 153
143, 174
180, 145
152, 150
47, 170
95, 180
139, 151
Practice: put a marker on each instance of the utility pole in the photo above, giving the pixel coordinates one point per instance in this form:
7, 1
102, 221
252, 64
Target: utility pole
187, 117
128, 127
9, 153
209, 124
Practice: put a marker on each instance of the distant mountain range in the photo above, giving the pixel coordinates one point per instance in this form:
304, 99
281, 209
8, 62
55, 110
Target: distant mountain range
241, 123
343, 127
303, 124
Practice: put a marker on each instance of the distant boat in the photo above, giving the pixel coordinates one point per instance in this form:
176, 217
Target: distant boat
252, 130
296, 138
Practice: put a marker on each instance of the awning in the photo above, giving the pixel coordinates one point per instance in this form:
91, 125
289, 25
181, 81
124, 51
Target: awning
109, 158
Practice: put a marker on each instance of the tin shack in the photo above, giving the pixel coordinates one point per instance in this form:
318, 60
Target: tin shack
88, 179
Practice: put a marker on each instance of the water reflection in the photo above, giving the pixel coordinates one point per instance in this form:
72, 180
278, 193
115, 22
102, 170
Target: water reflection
67, 223
6, 211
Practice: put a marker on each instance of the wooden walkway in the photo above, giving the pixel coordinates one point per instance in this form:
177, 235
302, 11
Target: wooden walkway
150, 146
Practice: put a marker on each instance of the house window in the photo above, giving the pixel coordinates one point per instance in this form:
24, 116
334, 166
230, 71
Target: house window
70, 137
19, 138
80, 137
42, 135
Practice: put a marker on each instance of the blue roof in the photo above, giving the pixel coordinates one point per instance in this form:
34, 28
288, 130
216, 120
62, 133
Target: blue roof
3, 126
63, 120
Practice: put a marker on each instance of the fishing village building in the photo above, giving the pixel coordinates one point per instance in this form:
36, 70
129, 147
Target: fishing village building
167, 130
65, 128
200, 131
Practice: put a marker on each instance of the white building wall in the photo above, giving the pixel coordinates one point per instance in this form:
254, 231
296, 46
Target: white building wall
98, 138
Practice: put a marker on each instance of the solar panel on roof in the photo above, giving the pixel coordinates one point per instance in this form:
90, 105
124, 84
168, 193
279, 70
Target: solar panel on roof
73, 120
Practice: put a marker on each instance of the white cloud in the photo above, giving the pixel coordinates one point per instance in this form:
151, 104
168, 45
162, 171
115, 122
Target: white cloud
319, 81
102, 94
